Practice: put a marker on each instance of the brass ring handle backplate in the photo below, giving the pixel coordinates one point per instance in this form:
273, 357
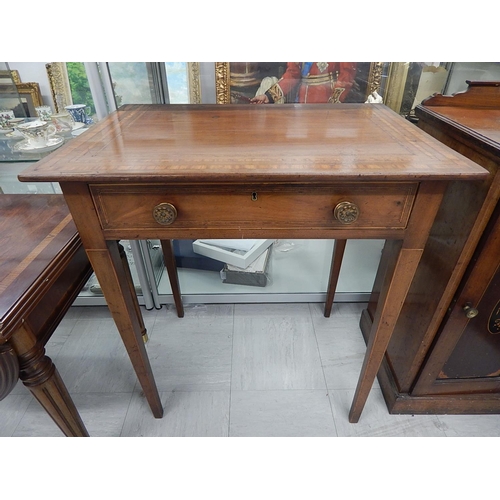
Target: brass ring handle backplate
165, 214
346, 212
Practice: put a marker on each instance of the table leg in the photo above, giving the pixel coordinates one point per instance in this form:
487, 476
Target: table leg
41, 377
126, 269
392, 299
338, 255
9, 369
169, 259
117, 288
113, 274
398, 278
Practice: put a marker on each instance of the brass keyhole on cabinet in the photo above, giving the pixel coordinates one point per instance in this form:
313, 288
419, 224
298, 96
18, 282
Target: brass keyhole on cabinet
254, 196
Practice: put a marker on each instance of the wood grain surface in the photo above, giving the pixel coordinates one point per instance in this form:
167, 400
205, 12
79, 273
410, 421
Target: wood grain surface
235, 143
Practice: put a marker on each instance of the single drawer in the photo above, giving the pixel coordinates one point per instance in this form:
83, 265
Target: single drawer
343, 205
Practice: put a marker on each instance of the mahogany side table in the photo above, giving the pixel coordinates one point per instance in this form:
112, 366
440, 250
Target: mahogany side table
239, 171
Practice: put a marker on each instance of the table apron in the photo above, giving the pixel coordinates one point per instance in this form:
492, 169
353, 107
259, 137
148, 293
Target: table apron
343, 210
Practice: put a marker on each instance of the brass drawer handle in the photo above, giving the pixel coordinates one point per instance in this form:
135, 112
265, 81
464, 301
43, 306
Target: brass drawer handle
346, 212
164, 213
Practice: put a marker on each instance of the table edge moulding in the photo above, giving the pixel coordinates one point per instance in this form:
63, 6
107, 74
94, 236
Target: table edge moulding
320, 171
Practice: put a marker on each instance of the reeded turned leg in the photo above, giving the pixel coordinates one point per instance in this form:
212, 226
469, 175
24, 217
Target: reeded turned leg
41, 377
9, 369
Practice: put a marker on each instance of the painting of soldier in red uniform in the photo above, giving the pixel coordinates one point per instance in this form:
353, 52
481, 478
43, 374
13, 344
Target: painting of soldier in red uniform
301, 82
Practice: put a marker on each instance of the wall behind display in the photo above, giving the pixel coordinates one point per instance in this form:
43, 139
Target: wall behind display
462, 71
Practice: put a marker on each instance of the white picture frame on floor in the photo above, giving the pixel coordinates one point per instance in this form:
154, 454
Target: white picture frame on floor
242, 260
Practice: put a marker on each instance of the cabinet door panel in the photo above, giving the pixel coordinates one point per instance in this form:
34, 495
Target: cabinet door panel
466, 355
477, 353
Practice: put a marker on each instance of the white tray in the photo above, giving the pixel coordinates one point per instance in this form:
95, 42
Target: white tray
241, 260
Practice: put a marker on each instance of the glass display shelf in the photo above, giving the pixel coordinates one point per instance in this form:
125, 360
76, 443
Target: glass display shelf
15, 149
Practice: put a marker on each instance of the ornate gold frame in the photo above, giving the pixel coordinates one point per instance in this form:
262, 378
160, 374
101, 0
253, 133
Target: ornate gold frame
12, 75
59, 85
396, 82
223, 86
32, 89
15, 76
31, 92
194, 82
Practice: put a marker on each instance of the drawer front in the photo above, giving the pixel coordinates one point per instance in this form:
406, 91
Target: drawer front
371, 205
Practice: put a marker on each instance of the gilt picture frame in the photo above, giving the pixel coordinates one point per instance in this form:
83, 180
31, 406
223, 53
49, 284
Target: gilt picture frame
238, 82
8, 77
59, 85
194, 81
30, 96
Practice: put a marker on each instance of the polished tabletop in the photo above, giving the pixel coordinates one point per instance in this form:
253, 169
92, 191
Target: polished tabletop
290, 143
484, 124
34, 230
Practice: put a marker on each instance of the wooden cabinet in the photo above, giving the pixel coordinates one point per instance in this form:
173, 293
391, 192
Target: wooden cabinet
439, 359
466, 355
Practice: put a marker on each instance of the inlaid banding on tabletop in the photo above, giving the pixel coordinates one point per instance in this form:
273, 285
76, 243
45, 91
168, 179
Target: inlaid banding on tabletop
9, 279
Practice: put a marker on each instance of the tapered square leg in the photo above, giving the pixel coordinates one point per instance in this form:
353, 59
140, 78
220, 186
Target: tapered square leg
338, 255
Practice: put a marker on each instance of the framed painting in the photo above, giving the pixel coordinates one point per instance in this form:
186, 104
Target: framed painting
30, 96
59, 85
8, 77
21, 98
194, 81
286, 82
